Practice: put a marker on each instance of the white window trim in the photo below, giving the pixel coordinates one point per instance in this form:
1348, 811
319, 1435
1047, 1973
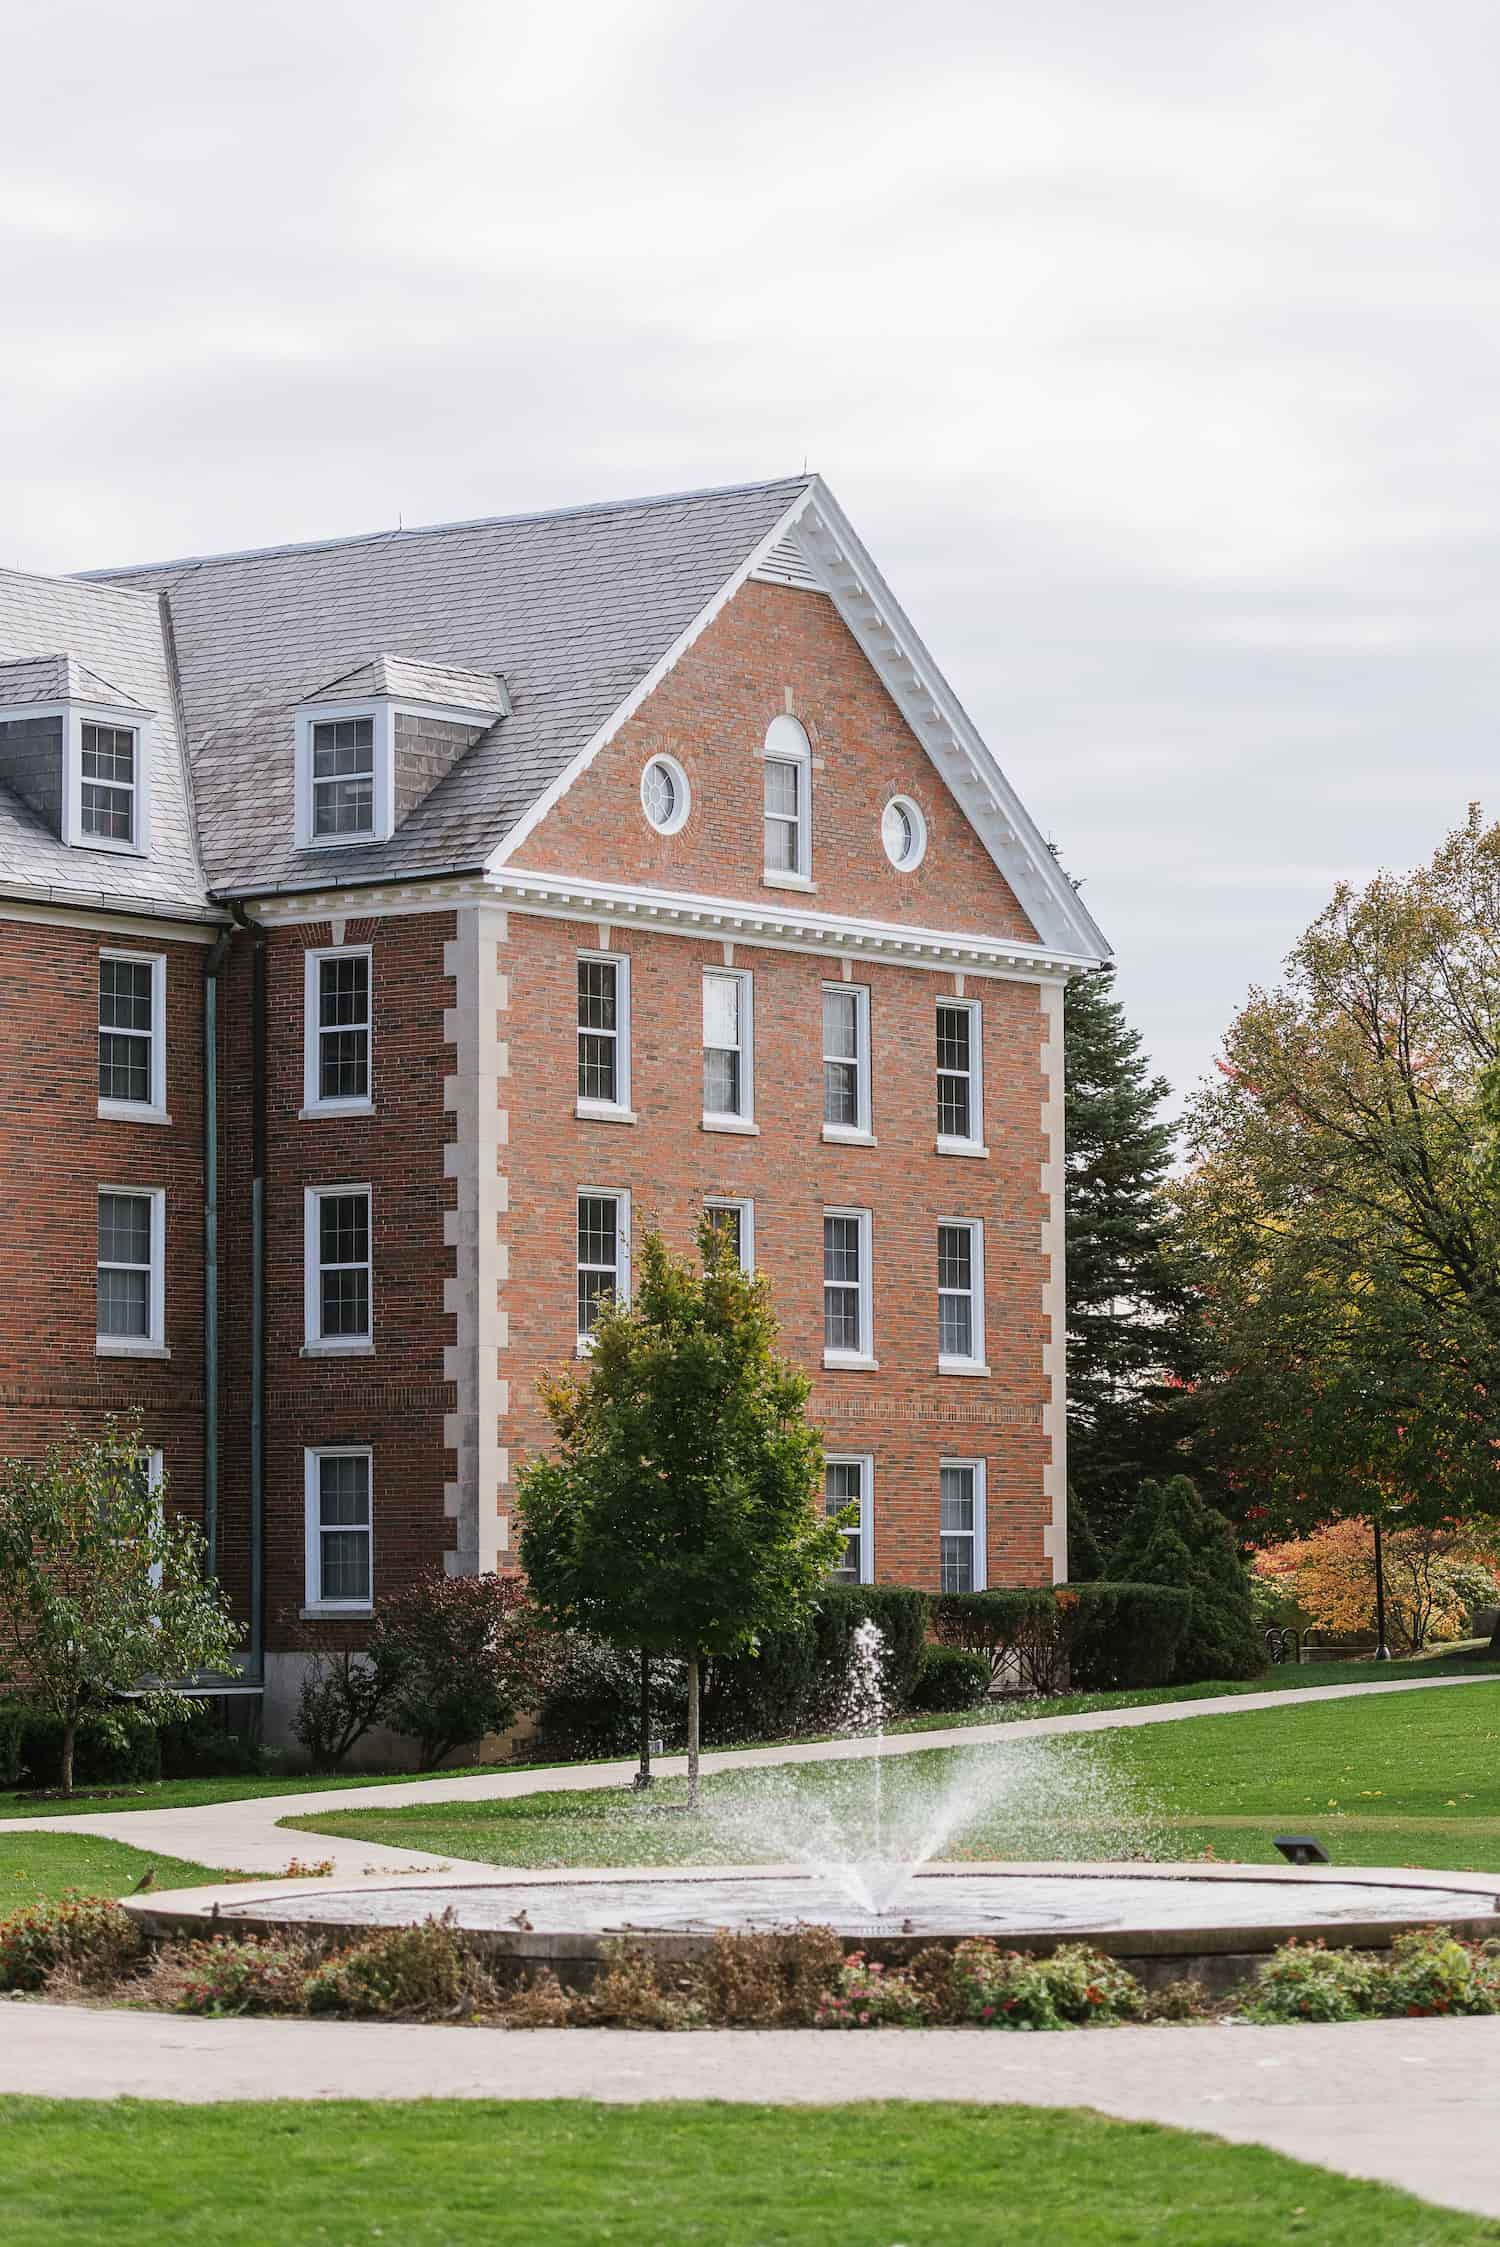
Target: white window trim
154, 1477
619, 1109
981, 1512
800, 875
862, 1360
865, 1461
975, 1362
679, 818
154, 1108
747, 1224
620, 1196
154, 1344
715, 1119
73, 715
950, 1144
360, 1104
917, 821
312, 1495
383, 772
861, 1133
314, 1342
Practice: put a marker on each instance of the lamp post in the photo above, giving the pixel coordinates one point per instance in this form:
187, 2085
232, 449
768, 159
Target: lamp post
1382, 1651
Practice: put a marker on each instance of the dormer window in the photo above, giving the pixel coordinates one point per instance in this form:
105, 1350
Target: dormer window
108, 775
377, 740
343, 778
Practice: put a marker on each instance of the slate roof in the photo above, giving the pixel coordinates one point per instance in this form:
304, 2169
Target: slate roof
444, 684
571, 608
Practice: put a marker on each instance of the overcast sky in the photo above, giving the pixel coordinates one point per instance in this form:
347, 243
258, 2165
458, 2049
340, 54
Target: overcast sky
1152, 348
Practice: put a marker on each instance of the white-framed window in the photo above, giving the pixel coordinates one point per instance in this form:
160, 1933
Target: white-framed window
788, 803
849, 1480
345, 775
961, 1539
903, 834
109, 782
960, 1295
339, 1268
728, 1049
340, 1507
338, 1031
131, 1273
666, 798
736, 1218
133, 1035
960, 1106
846, 1061
604, 1034
603, 1253
848, 1319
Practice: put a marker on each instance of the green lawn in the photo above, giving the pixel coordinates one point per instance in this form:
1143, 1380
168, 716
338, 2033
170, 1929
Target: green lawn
555, 2174
37, 1867
1404, 1778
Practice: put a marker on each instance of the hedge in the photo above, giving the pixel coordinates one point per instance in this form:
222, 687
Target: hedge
1123, 1634
1021, 1632
951, 1678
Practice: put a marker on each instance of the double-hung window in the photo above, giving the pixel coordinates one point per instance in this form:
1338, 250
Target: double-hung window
131, 1270
788, 804
109, 783
132, 1035
339, 1268
847, 1480
338, 1032
603, 1034
846, 1061
340, 1530
848, 1325
728, 1050
960, 1296
342, 779
603, 1255
736, 1221
961, 1525
960, 1121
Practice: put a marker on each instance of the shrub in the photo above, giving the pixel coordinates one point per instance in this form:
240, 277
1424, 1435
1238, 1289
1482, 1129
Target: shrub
344, 1695
466, 1656
116, 1749
951, 1677
88, 1938
540, 2003
771, 1980
1309, 1982
901, 1615
1123, 1634
1172, 1537
419, 1973
230, 1974
639, 1990
865, 1994
197, 1748
1011, 1990
593, 1700
765, 1695
1428, 1970
1020, 1632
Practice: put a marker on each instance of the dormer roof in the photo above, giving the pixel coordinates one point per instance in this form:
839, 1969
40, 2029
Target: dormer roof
34, 679
400, 678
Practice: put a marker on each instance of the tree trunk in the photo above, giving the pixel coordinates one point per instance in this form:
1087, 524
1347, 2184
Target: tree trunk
692, 1732
70, 1733
643, 1776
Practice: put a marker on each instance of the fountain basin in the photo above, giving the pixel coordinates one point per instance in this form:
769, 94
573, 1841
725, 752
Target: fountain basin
1212, 1921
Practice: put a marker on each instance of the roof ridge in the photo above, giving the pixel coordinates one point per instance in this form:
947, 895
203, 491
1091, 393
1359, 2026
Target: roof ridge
99, 581
109, 577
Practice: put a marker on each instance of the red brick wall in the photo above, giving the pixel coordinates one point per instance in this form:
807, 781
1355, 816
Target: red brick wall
906, 1415
711, 713
55, 1153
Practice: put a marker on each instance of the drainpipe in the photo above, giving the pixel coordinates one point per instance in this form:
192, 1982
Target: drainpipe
218, 953
257, 1294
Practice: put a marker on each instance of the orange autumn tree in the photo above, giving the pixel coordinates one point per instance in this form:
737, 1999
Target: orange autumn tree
1435, 1576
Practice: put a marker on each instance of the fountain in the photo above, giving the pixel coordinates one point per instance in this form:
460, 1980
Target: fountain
863, 1858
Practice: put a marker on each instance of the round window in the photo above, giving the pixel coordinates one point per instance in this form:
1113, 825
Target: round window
903, 831
665, 796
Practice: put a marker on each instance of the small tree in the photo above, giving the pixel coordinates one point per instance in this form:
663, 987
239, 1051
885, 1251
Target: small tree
681, 1511
466, 1655
101, 1589
1173, 1538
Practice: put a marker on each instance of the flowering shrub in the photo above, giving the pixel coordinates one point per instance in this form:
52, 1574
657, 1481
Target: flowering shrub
1430, 1971
87, 1937
1009, 1990
867, 1995
425, 1972
231, 1974
1308, 1982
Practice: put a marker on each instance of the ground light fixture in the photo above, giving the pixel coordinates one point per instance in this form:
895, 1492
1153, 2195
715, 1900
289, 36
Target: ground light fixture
1301, 1849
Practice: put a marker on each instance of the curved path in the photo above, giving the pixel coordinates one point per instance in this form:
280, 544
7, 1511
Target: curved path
246, 1834
1407, 2103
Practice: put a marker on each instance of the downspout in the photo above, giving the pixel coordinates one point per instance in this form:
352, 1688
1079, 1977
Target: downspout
218, 953
257, 1294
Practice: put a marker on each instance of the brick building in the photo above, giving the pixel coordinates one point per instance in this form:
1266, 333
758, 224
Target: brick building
391, 925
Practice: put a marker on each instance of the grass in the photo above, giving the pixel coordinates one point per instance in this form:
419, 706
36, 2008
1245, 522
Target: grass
1405, 1778
443, 2173
38, 1868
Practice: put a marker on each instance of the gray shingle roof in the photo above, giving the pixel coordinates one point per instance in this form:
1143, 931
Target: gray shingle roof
572, 608
443, 684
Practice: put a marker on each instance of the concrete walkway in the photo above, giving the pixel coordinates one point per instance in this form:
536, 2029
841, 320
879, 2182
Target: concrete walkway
1408, 2103
246, 1835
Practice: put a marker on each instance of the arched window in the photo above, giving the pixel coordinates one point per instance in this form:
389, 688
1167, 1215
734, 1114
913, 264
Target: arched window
788, 823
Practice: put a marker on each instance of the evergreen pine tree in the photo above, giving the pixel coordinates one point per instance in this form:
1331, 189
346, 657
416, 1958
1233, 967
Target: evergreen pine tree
1172, 1537
1085, 1560
1130, 1347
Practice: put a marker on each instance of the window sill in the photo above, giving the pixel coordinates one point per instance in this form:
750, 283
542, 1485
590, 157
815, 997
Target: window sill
849, 1361
584, 1347
740, 1124
603, 1111
844, 1135
337, 1350
344, 842
80, 841
970, 1147
803, 882
332, 1108
964, 1366
131, 1111
350, 1613
121, 1346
